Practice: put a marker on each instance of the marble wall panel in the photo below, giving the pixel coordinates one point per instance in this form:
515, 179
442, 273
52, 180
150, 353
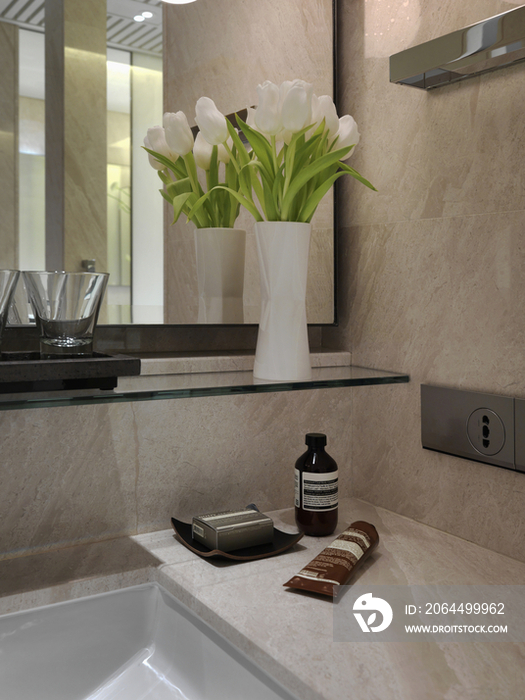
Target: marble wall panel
230, 451
224, 51
452, 151
68, 474
76, 197
87, 473
432, 266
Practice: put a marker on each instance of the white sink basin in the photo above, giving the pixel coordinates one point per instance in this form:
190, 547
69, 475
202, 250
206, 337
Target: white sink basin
130, 644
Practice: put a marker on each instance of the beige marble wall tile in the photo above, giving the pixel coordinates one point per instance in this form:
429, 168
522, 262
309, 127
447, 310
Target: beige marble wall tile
8, 146
456, 150
76, 197
224, 51
68, 474
87, 473
226, 452
431, 266
441, 298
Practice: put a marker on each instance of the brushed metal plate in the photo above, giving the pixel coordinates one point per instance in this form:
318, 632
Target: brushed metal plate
445, 415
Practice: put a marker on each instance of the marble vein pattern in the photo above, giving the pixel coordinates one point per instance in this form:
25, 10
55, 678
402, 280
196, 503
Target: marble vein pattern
76, 137
431, 267
85, 473
224, 53
294, 632
290, 634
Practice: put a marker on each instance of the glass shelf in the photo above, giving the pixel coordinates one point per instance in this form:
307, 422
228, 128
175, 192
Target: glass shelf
179, 386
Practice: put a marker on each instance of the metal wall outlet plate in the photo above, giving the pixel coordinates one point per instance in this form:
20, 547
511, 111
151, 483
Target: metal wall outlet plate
519, 423
469, 424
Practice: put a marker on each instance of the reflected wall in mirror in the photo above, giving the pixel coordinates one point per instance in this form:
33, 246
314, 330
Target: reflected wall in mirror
222, 50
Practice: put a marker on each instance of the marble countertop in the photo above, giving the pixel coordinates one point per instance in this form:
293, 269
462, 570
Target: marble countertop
290, 634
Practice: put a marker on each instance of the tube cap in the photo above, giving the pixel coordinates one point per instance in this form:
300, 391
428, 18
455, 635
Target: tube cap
315, 439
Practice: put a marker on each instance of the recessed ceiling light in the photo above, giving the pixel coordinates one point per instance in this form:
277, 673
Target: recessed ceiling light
139, 18
178, 2
147, 15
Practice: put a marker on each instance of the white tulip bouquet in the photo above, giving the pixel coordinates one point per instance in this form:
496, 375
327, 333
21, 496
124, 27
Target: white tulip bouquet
298, 148
177, 157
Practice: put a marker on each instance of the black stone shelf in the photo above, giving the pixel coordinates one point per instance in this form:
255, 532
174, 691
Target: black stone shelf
26, 372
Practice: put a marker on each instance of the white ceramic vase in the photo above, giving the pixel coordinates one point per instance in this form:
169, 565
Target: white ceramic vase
282, 352
220, 254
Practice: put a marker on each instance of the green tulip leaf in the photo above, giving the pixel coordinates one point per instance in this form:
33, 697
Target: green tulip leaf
354, 173
305, 175
313, 200
163, 174
172, 165
260, 145
178, 203
258, 187
213, 172
166, 197
250, 206
189, 161
178, 187
238, 144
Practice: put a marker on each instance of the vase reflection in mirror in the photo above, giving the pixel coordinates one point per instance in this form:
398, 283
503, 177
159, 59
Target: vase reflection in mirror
282, 351
8, 282
220, 255
66, 307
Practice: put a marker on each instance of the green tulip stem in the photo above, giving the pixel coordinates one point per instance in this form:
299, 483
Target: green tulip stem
191, 167
232, 157
274, 154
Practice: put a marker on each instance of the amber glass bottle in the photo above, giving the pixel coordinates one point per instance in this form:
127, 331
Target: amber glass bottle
316, 488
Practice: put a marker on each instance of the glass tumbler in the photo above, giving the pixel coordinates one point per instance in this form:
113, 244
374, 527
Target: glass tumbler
8, 280
66, 306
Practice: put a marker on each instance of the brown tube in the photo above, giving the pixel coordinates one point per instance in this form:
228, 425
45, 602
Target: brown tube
332, 568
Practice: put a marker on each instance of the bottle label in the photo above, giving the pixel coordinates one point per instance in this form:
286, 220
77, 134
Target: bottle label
319, 491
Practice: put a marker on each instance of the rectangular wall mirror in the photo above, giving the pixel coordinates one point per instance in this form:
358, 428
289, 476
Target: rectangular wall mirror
165, 62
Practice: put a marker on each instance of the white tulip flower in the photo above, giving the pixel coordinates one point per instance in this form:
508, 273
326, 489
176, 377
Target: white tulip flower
156, 141
267, 115
250, 117
296, 110
347, 133
222, 154
324, 108
178, 133
202, 150
210, 121
283, 90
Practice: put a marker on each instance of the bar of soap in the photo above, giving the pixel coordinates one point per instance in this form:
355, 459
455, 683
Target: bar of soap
232, 529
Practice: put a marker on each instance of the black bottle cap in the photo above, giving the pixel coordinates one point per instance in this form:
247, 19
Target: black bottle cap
315, 439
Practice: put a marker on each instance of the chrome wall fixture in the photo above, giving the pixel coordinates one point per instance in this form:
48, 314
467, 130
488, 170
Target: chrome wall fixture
493, 43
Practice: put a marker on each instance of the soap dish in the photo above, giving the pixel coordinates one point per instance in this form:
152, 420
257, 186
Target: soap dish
281, 542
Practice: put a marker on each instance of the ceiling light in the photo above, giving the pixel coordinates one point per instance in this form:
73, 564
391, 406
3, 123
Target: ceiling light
147, 15
178, 2
139, 18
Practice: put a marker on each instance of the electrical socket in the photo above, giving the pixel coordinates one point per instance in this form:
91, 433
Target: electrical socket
486, 432
469, 424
